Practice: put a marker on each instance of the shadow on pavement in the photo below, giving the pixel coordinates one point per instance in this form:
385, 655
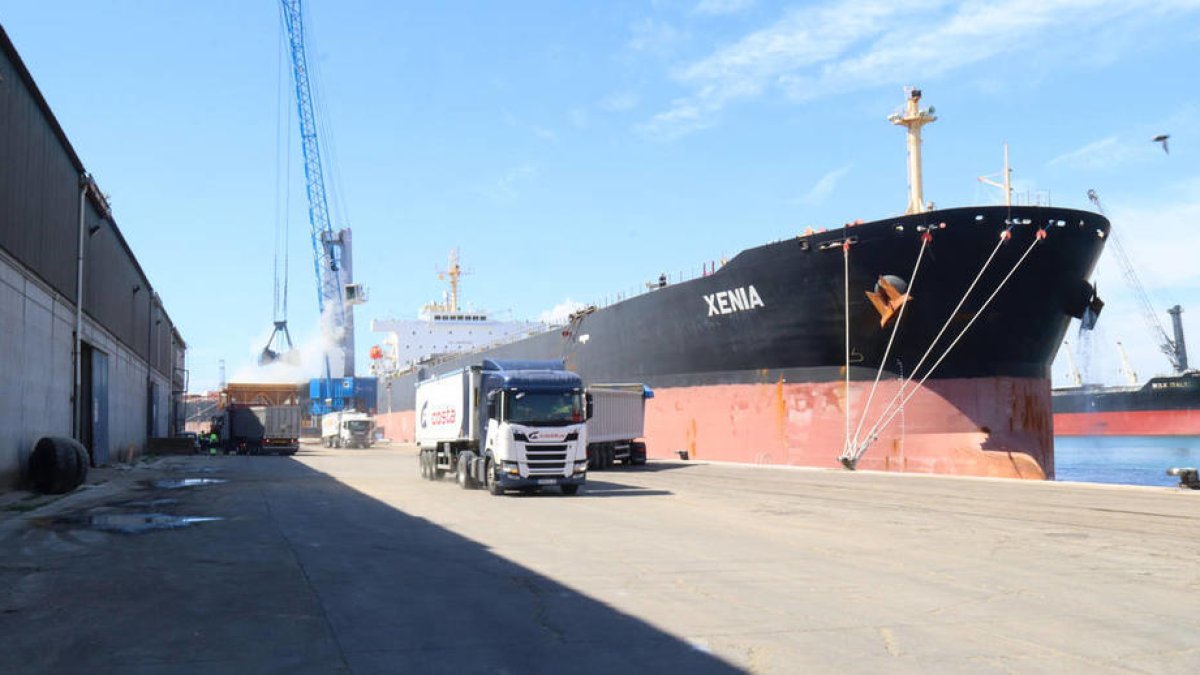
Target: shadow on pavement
605, 488
304, 574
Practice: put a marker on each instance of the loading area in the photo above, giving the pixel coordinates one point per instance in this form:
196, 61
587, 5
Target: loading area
336, 560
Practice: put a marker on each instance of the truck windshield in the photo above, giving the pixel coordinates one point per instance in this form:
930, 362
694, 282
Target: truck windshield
359, 425
545, 408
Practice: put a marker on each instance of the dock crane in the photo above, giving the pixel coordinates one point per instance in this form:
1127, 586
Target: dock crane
1175, 350
336, 293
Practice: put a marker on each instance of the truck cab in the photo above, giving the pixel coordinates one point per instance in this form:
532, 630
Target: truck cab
505, 425
535, 422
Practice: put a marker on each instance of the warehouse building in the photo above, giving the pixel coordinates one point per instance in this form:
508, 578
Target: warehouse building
86, 348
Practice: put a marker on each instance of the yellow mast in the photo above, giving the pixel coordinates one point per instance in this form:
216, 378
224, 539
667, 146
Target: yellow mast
453, 273
913, 119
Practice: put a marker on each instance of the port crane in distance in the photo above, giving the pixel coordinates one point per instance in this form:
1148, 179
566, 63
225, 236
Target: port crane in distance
1175, 350
336, 292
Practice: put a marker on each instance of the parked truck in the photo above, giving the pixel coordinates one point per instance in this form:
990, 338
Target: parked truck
259, 429
505, 425
347, 429
617, 422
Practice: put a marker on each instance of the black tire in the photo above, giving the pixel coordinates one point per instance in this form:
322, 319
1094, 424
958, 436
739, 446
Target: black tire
489, 477
570, 489
463, 475
637, 454
423, 465
57, 465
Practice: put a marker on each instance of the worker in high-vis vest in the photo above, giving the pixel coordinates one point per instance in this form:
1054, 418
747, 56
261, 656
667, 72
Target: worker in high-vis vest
213, 442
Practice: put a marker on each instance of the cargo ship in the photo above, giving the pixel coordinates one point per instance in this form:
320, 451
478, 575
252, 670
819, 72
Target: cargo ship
1167, 405
919, 343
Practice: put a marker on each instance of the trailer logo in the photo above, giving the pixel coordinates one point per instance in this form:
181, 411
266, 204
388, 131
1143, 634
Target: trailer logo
543, 435
438, 418
733, 300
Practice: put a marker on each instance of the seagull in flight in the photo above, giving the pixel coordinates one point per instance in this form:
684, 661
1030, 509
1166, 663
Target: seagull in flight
1162, 138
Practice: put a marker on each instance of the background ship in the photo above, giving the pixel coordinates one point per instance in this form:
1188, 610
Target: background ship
916, 343
1167, 405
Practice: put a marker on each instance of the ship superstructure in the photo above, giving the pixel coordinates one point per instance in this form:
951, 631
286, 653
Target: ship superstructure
443, 328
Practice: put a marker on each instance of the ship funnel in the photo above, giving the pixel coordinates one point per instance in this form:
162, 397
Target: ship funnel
913, 119
1180, 346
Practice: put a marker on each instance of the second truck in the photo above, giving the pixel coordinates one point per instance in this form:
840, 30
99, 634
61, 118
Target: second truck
505, 425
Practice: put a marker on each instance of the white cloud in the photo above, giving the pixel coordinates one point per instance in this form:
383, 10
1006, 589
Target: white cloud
505, 188
557, 315
824, 187
1105, 153
844, 46
545, 134
650, 35
717, 7
1161, 237
619, 102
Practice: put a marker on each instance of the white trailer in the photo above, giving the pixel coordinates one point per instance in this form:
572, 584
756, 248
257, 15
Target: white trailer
504, 425
618, 421
347, 429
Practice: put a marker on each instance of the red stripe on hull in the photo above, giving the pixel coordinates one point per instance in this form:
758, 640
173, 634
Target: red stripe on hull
982, 427
398, 426
1129, 423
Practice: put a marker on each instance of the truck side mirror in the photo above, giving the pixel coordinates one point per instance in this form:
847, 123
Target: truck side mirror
492, 411
590, 410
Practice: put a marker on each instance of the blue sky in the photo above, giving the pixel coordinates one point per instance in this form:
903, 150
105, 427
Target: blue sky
576, 150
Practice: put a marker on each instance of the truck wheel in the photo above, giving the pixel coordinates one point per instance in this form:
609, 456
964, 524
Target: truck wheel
570, 489
464, 471
637, 454
489, 475
423, 465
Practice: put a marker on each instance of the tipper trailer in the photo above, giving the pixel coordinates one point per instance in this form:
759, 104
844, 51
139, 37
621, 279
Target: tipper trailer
519, 425
258, 429
347, 429
617, 422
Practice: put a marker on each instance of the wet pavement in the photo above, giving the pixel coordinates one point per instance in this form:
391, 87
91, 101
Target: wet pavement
278, 567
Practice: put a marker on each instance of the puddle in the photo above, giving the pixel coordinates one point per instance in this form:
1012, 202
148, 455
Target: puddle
147, 503
176, 483
126, 523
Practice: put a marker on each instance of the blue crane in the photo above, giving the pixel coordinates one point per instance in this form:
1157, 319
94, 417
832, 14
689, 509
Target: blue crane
331, 250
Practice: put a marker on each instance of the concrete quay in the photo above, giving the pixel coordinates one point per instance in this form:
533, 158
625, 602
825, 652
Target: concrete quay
346, 561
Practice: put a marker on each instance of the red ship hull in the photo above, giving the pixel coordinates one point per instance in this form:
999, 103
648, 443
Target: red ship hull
1129, 423
996, 426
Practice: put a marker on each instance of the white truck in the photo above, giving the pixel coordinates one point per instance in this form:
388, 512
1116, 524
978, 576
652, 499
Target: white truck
618, 421
505, 425
347, 429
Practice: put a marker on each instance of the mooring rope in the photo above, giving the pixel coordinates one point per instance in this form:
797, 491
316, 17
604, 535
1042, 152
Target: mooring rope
926, 237
1005, 235
846, 313
878, 428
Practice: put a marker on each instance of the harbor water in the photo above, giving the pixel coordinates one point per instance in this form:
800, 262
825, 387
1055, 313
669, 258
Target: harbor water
1128, 460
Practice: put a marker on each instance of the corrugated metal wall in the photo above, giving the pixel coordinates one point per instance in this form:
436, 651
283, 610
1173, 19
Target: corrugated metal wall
39, 193
40, 178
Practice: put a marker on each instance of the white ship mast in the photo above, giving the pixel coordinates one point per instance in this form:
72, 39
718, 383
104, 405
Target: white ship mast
913, 119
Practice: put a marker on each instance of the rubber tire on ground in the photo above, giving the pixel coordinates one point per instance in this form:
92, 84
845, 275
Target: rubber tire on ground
489, 475
463, 475
57, 465
423, 465
570, 489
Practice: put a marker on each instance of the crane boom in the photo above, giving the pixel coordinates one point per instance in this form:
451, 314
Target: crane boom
1165, 344
330, 248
